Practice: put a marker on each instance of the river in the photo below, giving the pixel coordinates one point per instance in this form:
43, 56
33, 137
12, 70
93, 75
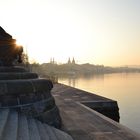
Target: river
124, 88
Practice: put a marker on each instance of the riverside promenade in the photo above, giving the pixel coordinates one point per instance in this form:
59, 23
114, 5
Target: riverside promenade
82, 122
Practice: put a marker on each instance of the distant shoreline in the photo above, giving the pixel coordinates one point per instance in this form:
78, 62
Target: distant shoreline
52, 69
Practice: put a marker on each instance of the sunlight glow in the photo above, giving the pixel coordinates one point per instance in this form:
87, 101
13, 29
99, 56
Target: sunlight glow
92, 31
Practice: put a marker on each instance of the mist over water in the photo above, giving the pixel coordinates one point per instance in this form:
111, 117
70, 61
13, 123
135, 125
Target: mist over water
124, 88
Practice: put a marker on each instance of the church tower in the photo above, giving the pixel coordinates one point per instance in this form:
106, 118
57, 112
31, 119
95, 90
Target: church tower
69, 62
73, 61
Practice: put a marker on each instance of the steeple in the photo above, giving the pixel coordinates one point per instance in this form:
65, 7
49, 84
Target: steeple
69, 61
73, 61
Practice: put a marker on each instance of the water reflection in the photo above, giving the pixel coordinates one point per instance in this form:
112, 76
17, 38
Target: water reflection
71, 81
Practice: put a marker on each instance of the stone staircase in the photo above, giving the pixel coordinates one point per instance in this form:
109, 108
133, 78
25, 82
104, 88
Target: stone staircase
16, 126
28, 94
26, 103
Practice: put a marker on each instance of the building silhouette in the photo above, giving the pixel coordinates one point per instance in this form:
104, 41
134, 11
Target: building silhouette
71, 62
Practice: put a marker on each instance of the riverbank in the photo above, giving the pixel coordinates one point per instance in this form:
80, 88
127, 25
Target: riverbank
123, 88
84, 123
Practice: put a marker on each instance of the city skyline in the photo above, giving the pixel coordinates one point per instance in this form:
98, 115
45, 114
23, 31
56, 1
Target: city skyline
92, 31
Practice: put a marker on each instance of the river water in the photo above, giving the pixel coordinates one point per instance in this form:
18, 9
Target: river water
124, 88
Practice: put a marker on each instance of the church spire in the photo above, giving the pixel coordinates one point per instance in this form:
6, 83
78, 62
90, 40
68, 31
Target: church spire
69, 61
73, 61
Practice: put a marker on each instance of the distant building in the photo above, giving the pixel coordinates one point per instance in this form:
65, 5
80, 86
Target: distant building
69, 61
73, 61
52, 61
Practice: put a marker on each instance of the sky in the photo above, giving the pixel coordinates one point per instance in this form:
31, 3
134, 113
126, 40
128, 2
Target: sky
92, 31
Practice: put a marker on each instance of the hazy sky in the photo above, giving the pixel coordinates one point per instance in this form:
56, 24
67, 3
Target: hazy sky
95, 31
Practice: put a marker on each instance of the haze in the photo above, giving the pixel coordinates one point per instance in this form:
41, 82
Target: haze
94, 31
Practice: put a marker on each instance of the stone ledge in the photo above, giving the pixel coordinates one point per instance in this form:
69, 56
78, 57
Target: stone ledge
83, 123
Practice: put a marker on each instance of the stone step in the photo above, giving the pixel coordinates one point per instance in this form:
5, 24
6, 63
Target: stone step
12, 69
50, 132
27, 86
43, 134
4, 113
11, 127
23, 131
33, 130
51, 117
63, 135
20, 75
14, 126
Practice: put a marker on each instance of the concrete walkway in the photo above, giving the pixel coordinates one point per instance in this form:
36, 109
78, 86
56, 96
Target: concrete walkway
83, 123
